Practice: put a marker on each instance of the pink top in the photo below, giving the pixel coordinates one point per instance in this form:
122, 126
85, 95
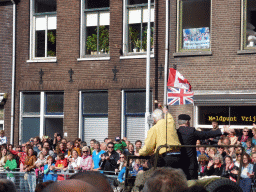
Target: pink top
86, 162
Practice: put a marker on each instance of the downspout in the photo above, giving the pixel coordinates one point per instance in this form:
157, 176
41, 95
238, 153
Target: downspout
13, 69
166, 52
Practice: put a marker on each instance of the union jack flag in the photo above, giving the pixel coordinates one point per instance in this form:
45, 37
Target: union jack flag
176, 96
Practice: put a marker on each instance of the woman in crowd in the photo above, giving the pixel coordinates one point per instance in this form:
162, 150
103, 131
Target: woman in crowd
3, 158
77, 148
96, 156
214, 166
29, 166
86, 161
203, 161
212, 152
75, 161
232, 137
247, 169
49, 170
130, 150
121, 162
228, 167
61, 149
242, 139
221, 152
254, 136
57, 138
238, 158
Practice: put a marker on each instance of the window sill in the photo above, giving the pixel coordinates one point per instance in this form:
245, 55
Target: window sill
192, 53
136, 56
43, 60
93, 58
246, 51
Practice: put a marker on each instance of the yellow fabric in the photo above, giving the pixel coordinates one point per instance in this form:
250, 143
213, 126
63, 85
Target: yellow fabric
157, 136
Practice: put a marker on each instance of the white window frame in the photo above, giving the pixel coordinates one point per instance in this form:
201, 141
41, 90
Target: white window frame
83, 55
126, 52
33, 16
179, 29
42, 115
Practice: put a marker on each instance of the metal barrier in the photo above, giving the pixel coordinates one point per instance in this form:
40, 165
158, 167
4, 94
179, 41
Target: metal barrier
26, 182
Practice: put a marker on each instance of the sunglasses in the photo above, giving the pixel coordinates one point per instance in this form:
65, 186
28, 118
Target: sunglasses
111, 147
85, 151
246, 131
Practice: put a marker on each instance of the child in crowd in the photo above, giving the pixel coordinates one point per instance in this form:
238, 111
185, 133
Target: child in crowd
10, 165
119, 144
61, 164
137, 167
39, 164
49, 170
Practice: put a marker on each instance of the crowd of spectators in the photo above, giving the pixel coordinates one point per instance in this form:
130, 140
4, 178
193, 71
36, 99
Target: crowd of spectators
50, 158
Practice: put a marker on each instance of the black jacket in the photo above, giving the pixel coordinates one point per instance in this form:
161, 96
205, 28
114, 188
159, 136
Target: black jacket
189, 136
111, 164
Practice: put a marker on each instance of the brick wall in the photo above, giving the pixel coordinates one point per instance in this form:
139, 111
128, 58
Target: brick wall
6, 22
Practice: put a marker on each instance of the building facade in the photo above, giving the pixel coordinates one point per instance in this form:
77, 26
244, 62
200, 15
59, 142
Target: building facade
81, 67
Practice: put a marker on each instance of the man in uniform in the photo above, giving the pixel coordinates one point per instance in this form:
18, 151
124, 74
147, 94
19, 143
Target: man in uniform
157, 136
188, 136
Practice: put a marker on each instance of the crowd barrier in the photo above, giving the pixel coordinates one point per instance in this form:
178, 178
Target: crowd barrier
26, 181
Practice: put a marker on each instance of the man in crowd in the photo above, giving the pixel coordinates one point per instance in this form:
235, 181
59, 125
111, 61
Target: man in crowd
47, 145
109, 159
103, 146
36, 141
188, 136
170, 157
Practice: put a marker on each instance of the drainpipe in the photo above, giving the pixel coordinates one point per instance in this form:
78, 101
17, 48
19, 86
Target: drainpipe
13, 69
166, 52
148, 71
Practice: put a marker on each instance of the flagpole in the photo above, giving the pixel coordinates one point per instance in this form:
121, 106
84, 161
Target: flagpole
148, 71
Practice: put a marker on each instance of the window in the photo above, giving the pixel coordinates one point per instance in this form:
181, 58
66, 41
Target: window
95, 34
249, 24
194, 25
134, 107
1, 117
41, 114
135, 21
43, 29
95, 115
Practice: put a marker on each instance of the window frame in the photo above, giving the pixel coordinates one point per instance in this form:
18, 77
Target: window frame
42, 114
33, 16
179, 35
83, 29
126, 27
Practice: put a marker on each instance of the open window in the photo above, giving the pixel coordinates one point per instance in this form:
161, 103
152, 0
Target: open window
95, 33
194, 18
249, 24
43, 29
135, 21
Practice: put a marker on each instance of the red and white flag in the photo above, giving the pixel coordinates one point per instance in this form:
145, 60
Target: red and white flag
177, 80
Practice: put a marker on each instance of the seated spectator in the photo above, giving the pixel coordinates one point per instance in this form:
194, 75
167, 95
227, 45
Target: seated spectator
86, 160
61, 164
75, 161
7, 186
227, 169
96, 156
203, 161
214, 166
109, 159
10, 165
49, 168
119, 144
166, 180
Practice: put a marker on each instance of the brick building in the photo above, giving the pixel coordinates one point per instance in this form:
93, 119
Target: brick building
77, 72
81, 65
7, 16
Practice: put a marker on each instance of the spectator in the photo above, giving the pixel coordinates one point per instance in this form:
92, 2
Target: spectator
226, 141
212, 152
83, 144
92, 145
39, 164
214, 140
254, 135
232, 137
247, 168
61, 164
49, 168
238, 158
248, 146
130, 150
201, 151
203, 161
70, 146
221, 152
40, 147
96, 156
36, 141
78, 140
138, 145
121, 175
166, 180
77, 148
86, 161
75, 161
121, 162
10, 165
254, 163
103, 146
109, 159
228, 167
47, 145
61, 148
242, 139
3, 139
214, 166
7, 186
3, 157
119, 144
29, 166
57, 138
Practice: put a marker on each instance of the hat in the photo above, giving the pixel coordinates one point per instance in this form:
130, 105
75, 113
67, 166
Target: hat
184, 117
117, 139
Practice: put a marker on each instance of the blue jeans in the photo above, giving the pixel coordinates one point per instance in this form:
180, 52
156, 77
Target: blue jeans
31, 182
245, 184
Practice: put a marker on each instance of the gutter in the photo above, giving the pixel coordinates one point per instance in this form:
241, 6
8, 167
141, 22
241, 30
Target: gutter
13, 69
